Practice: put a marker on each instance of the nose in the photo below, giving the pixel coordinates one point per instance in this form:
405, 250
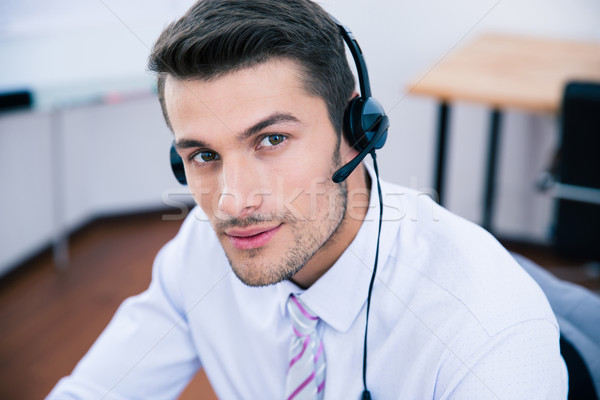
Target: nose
242, 193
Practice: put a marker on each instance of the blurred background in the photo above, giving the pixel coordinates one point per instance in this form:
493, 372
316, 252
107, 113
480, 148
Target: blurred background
88, 152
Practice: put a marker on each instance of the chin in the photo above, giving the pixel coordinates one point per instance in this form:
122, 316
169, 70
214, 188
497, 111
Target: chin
257, 271
257, 276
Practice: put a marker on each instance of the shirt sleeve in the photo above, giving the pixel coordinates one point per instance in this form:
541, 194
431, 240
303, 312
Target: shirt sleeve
146, 351
521, 362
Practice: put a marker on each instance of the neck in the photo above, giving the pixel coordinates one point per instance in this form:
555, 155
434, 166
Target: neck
359, 185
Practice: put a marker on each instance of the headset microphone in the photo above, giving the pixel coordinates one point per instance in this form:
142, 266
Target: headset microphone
347, 169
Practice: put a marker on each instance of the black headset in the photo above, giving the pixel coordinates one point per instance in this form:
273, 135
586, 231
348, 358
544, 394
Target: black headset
365, 122
365, 126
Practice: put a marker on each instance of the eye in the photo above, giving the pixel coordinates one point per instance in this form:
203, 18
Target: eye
205, 156
272, 140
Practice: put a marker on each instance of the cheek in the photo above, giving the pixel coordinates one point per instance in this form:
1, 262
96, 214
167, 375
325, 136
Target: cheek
309, 188
314, 161
204, 195
305, 177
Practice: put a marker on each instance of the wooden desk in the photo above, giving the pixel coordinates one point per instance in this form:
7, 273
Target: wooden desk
504, 72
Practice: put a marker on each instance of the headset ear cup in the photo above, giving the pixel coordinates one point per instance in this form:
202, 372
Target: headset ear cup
347, 124
177, 165
353, 126
371, 111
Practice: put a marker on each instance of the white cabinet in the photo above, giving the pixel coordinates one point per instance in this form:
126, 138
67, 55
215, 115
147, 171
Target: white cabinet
109, 159
26, 201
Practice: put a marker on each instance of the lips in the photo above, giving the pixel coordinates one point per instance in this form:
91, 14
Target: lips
251, 238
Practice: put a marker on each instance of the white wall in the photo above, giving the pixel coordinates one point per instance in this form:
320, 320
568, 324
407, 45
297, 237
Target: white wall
67, 49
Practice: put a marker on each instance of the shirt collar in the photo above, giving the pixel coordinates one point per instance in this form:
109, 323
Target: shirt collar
339, 295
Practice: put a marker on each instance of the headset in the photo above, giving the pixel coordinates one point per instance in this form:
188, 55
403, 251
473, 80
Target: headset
365, 126
365, 123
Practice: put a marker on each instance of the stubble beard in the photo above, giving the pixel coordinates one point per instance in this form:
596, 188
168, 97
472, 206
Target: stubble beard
310, 235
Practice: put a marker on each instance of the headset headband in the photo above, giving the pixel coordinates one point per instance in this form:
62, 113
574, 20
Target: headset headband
359, 61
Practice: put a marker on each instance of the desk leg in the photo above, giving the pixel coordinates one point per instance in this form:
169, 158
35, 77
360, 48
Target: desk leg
443, 115
490, 182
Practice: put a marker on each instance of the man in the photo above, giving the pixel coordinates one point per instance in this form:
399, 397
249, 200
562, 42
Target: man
255, 92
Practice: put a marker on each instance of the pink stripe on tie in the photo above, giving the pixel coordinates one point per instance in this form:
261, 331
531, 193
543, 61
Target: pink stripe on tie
304, 346
298, 333
302, 310
321, 387
302, 386
319, 351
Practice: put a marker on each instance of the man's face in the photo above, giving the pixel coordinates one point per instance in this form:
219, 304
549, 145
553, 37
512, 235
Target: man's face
259, 153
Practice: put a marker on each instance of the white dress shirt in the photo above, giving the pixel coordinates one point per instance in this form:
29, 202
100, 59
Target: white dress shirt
452, 317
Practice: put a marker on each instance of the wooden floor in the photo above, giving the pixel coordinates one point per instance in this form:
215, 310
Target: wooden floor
50, 318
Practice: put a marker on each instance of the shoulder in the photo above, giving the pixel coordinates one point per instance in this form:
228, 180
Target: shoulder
192, 260
459, 263
451, 285
195, 239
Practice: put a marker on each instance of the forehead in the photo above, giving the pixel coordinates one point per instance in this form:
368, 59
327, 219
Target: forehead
237, 99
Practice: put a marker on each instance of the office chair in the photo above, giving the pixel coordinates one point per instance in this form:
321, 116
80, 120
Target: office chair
577, 311
574, 179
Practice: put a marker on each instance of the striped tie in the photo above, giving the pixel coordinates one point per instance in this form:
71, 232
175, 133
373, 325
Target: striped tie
306, 371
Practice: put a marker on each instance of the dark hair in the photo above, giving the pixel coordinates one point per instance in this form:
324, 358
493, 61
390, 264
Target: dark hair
216, 37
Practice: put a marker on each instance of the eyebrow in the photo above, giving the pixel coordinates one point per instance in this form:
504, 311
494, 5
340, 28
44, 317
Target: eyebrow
273, 119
